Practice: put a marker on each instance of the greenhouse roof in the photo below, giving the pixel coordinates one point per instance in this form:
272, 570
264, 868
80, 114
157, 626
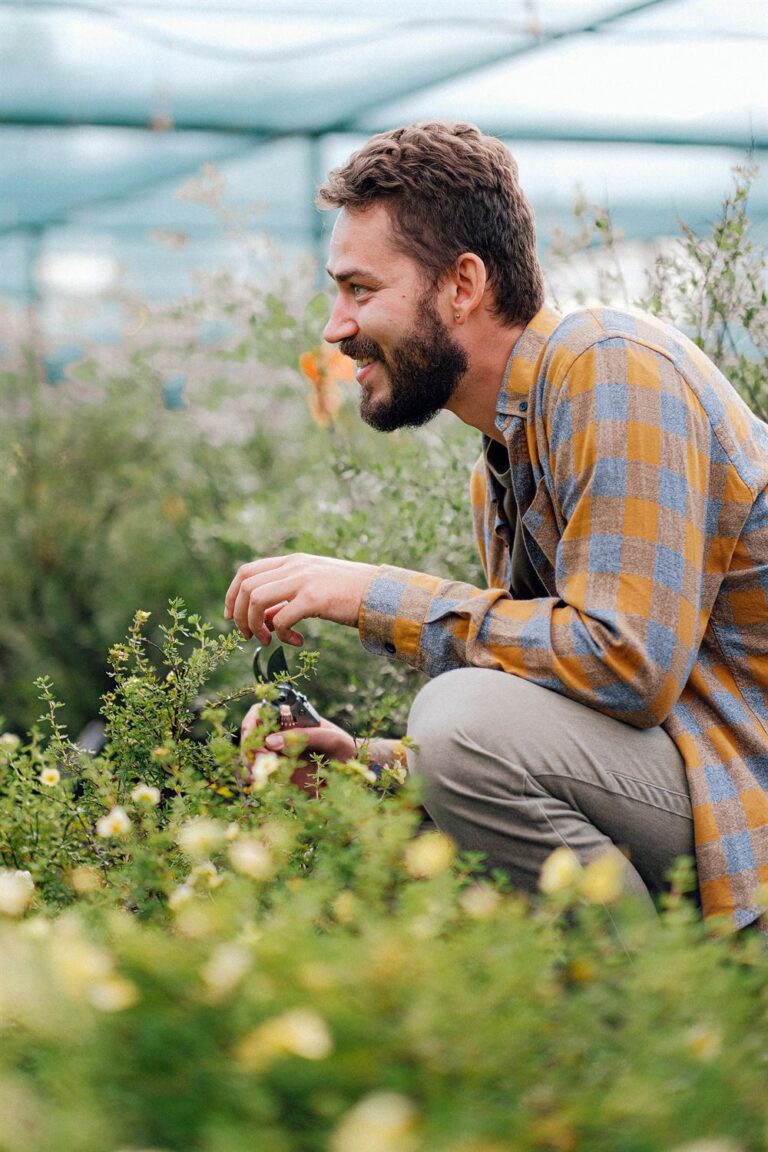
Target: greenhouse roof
107, 107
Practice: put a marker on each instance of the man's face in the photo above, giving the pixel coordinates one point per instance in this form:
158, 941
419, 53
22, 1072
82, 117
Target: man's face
386, 318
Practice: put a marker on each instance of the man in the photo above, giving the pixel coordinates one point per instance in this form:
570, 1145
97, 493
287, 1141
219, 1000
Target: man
609, 689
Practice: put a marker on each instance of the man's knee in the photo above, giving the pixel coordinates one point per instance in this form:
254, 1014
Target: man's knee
452, 720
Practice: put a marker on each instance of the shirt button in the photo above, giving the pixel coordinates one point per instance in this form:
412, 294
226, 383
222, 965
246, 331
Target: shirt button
389, 647
524, 406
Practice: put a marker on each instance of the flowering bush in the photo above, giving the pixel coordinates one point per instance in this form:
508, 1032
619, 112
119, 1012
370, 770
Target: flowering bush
197, 954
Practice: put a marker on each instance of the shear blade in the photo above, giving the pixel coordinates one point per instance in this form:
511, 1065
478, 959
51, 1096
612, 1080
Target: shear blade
277, 667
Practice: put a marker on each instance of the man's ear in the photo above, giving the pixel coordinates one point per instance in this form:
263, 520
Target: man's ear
467, 283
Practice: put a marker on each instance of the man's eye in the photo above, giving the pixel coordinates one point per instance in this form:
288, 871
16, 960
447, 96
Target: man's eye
358, 290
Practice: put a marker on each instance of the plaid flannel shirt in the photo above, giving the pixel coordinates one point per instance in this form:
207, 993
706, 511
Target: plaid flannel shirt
640, 477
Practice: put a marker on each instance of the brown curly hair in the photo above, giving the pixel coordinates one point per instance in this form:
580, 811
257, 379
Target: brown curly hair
449, 189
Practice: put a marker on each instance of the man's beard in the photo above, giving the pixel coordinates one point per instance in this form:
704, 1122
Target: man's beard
424, 370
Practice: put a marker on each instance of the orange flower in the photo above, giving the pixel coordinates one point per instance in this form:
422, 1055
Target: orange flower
326, 370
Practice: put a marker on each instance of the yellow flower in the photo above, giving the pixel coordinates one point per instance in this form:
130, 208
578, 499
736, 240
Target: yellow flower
146, 794
141, 616
703, 1043
50, 777
603, 879
200, 836
345, 907
298, 1032
428, 855
561, 870
16, 889
251, 858
380, 1122
115, 824
85, 880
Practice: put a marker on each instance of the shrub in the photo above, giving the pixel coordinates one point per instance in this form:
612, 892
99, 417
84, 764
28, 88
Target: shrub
214, 959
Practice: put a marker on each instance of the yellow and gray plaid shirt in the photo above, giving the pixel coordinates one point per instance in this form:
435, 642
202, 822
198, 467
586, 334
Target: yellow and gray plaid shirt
640, 481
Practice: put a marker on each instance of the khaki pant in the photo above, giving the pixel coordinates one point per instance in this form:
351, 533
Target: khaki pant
515, 770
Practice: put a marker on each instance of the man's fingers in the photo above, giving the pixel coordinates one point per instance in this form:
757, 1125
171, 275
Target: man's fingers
250, 720
244, 572
255, 606
285, 616
256, 595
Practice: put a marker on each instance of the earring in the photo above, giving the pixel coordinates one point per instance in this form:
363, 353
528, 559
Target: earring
457, 315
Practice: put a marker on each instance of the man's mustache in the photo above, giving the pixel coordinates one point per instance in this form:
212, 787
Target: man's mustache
360, 349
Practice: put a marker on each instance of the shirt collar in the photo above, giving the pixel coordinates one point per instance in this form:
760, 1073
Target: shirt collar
520, 372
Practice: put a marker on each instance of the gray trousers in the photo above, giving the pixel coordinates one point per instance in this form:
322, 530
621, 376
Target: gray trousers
515, 771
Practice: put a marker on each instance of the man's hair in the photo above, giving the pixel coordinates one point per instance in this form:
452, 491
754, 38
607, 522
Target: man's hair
448, 189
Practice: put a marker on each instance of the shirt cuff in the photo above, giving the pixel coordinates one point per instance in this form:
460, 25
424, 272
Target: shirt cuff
393, 611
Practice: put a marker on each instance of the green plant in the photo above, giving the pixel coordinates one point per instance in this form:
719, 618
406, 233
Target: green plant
198, 955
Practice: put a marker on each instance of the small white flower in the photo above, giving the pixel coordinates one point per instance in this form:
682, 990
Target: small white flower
146, 794
16, 890
225, 969
207, 872
480, 902
200, 836
9, 742
264, 765
380, 1122
298, 1032
251, 858
180, 896
603, 879
560, 870
429, 854
79, 965
50, 777
115, 824
114, 994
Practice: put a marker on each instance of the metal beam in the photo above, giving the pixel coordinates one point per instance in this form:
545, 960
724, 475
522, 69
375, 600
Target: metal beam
262, 134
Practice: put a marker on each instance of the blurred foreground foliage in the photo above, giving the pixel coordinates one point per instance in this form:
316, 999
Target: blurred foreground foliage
198, 955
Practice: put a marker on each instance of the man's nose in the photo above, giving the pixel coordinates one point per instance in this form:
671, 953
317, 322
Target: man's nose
341, 325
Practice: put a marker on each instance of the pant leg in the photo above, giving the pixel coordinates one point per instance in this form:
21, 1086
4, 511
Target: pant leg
515, 770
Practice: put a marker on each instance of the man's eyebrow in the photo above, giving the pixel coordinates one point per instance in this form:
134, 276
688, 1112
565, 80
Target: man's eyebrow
349, 274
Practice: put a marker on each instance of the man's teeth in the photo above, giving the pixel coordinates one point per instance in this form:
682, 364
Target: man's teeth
364, 363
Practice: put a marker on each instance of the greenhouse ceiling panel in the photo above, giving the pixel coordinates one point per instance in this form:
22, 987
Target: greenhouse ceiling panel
106, 108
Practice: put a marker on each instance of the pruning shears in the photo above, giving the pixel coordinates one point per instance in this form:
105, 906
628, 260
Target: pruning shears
293, 708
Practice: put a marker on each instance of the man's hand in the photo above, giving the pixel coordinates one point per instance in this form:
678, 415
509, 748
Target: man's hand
328, 740
274, 594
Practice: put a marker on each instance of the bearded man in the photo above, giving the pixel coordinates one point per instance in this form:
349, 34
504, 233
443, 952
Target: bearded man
608, 690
